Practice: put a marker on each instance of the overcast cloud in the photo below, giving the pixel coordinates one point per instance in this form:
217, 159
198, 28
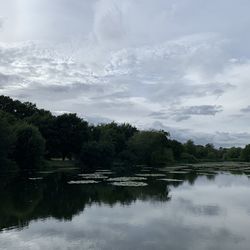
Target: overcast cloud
180, 65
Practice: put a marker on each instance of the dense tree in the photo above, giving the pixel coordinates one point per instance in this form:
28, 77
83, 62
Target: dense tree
188, 158
17, 108
97, 154
177, 149
149, 145
46, 123
70, 132
116, 134
6, 140
190, 148
232, 154
201, 152
245, 154
29, 146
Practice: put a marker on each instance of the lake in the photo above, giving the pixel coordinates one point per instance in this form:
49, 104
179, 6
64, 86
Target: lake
183, 207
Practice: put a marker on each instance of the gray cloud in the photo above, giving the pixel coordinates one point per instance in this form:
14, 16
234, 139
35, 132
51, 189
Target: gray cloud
200, 110
186, 112
246, 110
219, 139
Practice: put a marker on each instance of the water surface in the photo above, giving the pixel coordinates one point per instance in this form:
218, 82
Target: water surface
196, 208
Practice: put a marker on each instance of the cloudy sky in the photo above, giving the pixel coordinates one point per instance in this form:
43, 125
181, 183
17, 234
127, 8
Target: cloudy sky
183, 66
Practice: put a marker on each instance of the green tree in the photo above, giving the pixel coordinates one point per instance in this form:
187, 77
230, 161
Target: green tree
71, 132
177, 149
162, 156
245, 154
46, 123
116, 134
148, 146
97, 154
232, 154
6, 141
29, 146
17, 108
188, 158
190, 148
201, 152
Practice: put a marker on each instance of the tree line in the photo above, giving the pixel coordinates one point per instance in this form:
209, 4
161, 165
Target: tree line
29, 136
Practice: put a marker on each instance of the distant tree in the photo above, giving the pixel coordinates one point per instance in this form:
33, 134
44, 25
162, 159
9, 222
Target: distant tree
188, 158
126, 157
177, 149
6, 141
162, 156
149, 145
232, 154
17, 108
190, 147
245, 154
70, 133
29, 146
211, 156
201, 152
97, 154
46, 123
116, 134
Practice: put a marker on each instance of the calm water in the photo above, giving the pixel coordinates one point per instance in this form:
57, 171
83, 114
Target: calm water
208, 208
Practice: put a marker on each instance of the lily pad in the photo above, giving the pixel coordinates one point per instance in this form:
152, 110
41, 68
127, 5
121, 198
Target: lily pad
127, 179
93, 176
178, 172
83, 182
129, 184
35, 178
103, 172
151, 175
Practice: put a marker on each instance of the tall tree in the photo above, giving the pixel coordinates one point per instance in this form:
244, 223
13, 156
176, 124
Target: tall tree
71, 132
29, 146
6, 140
148, 146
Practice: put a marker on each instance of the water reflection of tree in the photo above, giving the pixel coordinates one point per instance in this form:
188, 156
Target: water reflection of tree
23, 200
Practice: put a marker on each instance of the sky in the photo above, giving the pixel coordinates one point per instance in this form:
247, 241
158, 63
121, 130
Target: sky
182, 66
